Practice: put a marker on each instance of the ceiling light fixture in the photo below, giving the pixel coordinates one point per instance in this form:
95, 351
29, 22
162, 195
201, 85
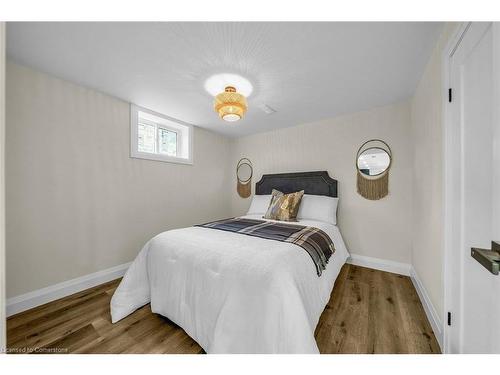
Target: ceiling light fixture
230, 105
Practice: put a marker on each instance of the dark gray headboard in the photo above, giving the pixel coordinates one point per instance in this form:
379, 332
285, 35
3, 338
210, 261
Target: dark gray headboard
315, 183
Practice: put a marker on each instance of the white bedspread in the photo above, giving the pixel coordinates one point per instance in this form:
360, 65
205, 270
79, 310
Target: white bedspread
230, 292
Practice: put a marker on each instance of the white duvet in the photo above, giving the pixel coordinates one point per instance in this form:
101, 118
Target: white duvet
230, 292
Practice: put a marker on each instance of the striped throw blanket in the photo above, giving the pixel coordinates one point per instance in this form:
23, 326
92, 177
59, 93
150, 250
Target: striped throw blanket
313, 240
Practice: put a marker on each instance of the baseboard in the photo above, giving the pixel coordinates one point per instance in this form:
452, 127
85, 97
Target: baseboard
430, 311
380, 264
41, 296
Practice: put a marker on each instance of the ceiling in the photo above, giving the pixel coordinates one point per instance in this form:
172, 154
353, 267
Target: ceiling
304, 71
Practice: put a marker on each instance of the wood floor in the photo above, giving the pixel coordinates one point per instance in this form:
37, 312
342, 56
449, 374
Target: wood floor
369, 312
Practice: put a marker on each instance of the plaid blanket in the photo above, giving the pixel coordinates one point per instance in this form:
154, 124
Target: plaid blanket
313, 240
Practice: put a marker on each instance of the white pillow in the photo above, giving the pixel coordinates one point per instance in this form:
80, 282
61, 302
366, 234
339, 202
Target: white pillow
259, 204
318, 207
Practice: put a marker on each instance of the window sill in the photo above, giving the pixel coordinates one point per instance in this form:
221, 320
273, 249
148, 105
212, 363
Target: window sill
163, 158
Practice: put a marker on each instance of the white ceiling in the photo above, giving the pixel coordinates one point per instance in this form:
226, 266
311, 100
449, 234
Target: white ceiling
305, 71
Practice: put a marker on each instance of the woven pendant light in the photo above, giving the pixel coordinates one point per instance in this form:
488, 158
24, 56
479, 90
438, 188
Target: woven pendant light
230, 105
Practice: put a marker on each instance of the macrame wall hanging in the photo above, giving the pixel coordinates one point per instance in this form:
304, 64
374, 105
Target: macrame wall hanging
244, 173
373, 163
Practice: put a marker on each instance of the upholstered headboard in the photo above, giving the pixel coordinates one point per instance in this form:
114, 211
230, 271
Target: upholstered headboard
314, 183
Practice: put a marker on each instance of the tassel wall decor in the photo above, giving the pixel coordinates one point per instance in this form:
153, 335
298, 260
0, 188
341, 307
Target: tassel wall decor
373, 165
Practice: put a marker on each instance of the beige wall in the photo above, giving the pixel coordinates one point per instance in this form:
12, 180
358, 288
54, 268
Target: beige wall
2, 186
378, 229
427, 135
76, 202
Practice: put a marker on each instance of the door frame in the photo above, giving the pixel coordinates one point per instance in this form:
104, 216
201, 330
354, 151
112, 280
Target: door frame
450, 162
3, 321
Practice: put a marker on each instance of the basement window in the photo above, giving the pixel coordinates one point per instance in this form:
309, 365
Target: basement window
158, 137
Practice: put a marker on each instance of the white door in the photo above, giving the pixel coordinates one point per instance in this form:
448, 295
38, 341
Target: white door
473, 180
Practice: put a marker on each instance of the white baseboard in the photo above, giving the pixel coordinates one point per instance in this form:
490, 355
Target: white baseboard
39, 297
380, 264
430, 311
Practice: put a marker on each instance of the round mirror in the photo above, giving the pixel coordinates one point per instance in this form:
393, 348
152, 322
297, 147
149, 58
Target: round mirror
244, 172
373, 161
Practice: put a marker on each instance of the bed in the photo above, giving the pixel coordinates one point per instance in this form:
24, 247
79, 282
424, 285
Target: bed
234, 293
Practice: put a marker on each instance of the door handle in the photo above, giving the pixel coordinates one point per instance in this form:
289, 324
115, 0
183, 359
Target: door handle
489, 259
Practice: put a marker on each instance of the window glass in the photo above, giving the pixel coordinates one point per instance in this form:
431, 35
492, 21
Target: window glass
146, 138
168, 142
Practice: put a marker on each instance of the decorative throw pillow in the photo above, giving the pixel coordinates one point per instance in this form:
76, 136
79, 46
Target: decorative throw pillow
284, 207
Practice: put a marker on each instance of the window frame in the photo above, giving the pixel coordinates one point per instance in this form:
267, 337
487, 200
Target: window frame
181, 128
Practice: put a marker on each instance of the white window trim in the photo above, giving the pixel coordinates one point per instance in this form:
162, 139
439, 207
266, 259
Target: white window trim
135, 153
